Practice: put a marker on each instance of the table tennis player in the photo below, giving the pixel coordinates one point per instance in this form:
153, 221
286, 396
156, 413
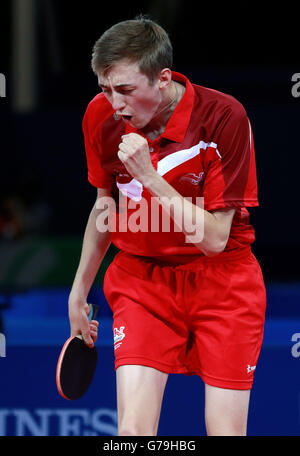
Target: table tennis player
187, 296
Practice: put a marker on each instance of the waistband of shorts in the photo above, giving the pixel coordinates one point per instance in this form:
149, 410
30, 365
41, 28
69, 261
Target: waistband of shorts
129, 260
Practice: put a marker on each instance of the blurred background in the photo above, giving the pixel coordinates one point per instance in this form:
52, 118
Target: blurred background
239, 48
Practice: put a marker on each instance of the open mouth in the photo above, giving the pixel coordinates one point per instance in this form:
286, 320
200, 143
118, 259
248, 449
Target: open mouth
126, 117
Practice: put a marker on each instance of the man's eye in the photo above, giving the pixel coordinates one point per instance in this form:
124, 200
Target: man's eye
121, 91
126, 91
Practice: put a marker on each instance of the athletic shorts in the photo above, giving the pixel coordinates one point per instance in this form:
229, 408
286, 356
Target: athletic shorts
205, 317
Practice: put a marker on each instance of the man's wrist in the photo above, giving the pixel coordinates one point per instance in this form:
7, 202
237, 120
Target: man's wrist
150, 180
76, 298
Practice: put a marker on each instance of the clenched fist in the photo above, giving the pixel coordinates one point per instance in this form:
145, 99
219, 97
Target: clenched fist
134, 154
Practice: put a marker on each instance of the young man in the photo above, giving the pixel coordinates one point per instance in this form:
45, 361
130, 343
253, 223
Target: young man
188, 296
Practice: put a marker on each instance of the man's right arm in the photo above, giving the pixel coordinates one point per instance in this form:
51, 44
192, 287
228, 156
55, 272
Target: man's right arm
94, 247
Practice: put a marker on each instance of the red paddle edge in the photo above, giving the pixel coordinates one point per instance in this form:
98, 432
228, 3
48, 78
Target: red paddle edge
58, 367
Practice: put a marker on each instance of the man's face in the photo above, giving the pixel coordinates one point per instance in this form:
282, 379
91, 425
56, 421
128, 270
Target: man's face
130, 93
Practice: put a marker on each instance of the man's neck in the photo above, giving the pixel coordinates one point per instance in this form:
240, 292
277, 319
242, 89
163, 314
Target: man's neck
158, 123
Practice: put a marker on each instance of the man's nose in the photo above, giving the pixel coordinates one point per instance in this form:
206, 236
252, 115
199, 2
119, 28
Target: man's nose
118, 102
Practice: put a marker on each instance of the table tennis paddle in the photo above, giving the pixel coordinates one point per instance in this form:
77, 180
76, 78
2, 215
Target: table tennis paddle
76, 365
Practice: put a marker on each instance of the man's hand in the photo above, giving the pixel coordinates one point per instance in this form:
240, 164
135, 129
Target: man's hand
80, 324
134, 154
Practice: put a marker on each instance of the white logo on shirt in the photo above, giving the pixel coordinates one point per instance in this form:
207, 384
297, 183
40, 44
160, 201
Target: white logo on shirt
193, 178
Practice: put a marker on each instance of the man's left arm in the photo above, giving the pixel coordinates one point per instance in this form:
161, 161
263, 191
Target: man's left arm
209, 231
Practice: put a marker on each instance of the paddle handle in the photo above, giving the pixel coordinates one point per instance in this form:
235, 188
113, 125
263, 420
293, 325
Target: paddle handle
93, 311
92, 315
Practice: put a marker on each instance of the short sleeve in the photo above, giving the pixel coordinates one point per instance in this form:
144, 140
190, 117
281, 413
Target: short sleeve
97, 176
230, 170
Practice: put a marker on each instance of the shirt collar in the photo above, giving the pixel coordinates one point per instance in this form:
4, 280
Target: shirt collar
178, 123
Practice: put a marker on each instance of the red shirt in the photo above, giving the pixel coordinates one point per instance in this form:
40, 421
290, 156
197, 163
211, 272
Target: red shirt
206, 150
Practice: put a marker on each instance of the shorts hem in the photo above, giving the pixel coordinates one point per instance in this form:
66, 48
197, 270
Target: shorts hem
225, 383
171, 369
142, 361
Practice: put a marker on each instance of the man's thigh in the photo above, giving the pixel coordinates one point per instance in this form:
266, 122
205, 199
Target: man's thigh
226, 411
140, 391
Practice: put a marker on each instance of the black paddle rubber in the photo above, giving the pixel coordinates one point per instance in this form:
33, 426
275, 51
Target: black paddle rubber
77, 369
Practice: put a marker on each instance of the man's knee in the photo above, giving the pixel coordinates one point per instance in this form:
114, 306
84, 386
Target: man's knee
134, 428
225, 426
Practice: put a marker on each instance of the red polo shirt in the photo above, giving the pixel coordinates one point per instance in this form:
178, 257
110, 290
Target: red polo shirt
205, 151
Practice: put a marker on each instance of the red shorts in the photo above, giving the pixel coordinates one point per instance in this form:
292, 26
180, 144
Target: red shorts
205, 317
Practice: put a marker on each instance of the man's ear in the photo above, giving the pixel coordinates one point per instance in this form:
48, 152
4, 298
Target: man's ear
165, 78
